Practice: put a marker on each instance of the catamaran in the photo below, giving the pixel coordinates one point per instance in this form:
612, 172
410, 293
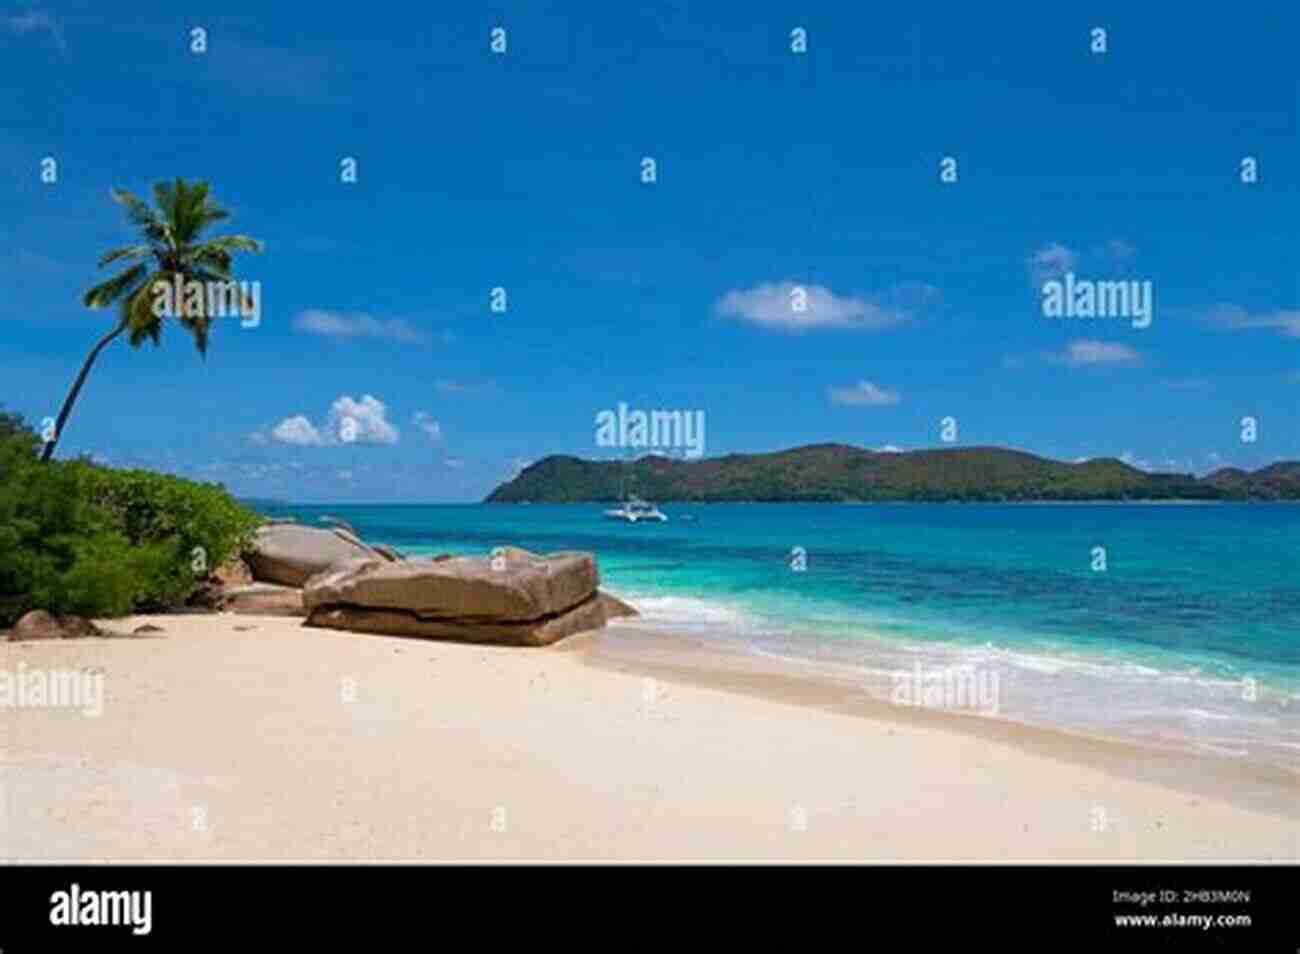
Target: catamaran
636, 510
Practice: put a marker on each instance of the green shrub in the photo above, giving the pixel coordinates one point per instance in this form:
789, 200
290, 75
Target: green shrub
79, 538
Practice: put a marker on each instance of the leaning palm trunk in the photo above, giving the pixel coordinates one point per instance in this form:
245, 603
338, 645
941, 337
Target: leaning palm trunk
71, 399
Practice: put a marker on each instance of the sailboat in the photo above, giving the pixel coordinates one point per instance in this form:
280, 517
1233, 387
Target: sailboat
633, 509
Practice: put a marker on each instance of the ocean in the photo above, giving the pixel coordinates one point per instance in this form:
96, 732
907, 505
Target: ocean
1175, 625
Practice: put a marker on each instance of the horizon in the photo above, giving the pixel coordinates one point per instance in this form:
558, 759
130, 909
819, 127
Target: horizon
251, 500
805, 265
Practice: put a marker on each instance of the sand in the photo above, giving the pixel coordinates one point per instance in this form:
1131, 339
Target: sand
254, 739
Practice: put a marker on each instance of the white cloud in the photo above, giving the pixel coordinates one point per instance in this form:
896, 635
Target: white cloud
1128, 458
257, 438
361, 422
889, 449
863, 394
427, 424
37, 20
1051, 261
1089, 353
338, 325
349, 422
790, 306
297, 430
1235, 317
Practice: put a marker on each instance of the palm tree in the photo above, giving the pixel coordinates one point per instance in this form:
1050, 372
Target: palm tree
173, 247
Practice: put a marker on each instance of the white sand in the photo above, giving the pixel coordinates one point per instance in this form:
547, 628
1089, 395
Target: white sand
222, 743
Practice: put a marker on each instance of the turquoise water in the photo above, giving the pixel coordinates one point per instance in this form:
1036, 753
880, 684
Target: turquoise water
1191, 632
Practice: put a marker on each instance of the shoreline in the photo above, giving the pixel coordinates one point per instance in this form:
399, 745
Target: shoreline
695, 661
230, 737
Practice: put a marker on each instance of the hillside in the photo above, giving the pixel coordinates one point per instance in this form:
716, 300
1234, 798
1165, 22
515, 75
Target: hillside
1280, 481
838, 472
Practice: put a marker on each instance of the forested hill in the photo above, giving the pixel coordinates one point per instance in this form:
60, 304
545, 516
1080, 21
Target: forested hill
839, 472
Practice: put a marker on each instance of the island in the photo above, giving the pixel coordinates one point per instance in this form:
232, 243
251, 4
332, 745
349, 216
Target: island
844, 473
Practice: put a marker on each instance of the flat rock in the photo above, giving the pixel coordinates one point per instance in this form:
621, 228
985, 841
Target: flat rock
615, 607
516, 553
588, 615
262, 599
289, 553
462, 588
38, 624
387, 552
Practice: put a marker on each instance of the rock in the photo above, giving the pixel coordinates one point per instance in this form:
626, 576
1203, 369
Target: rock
523, 600
614, 607
262, 599
339, 522
234, 572
289, 554
516, 553
147, 628
588, 615
387, 552
206, 597
39, 624
462, 588
350, 565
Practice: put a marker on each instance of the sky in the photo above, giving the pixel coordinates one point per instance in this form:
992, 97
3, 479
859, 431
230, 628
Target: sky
848, 242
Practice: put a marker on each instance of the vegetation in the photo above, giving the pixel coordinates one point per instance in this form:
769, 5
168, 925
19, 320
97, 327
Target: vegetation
79, 538
173, 249
838, 472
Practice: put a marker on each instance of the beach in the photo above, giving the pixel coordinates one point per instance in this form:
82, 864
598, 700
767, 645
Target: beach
254, 739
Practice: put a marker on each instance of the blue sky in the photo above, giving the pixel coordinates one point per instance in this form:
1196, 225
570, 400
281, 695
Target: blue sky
776, 172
